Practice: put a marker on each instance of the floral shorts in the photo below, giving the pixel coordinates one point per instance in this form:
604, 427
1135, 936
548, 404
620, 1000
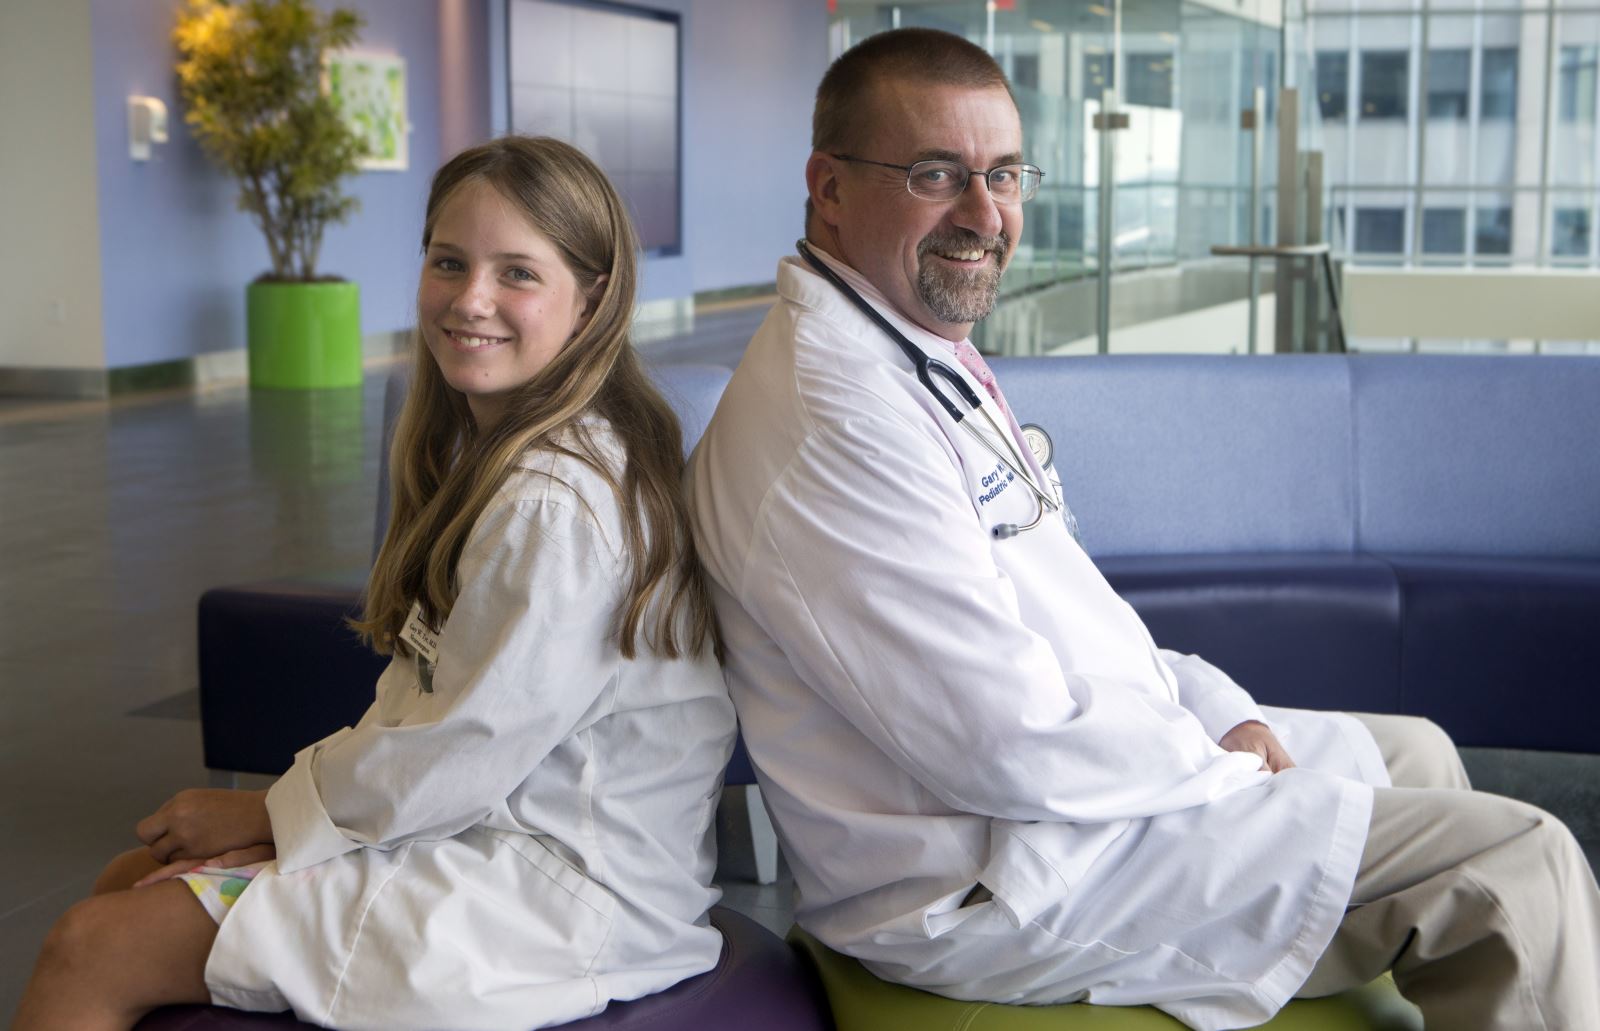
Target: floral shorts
219, 887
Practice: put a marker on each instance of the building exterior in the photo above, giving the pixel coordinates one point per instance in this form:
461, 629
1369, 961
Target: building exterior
1461, 135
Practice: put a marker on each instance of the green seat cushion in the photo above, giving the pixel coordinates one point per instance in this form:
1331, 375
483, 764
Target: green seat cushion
861, 1002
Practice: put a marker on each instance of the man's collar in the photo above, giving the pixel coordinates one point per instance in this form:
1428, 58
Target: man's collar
861, 285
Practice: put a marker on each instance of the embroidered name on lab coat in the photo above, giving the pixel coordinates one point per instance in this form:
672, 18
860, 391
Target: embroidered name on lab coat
996, 482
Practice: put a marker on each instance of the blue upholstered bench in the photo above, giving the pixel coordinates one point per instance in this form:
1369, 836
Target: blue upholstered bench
1412, 534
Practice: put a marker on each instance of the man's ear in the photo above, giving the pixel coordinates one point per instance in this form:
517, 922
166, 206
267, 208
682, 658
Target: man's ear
822, 183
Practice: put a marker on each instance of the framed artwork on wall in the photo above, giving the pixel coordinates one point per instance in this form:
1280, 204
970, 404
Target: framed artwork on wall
371, 91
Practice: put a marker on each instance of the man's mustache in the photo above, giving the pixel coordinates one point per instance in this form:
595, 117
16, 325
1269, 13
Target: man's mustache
999, 244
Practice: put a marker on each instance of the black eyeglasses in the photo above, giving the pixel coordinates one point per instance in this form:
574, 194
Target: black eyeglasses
947, 180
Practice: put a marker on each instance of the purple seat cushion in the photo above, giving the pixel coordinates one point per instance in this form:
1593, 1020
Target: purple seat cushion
758, 982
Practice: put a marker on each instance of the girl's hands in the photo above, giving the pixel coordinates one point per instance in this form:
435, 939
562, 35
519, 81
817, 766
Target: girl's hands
203, 822
238, 857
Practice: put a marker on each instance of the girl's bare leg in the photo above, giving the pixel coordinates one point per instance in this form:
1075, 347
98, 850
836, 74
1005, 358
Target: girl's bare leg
114, 957
121, 873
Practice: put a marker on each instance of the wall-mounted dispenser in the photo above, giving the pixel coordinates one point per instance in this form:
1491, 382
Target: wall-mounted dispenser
147, 124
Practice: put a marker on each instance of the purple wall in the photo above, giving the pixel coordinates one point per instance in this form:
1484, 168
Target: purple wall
176, 253
463, 75
751, 69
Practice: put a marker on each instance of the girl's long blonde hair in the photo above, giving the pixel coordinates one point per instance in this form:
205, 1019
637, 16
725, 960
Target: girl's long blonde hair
444, 471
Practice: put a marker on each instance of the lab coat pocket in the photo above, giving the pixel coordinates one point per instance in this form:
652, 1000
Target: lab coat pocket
567, 916
478, 930
1035, 865
562, 877
956, 911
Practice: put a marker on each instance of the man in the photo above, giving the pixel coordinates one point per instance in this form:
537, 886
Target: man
988, 780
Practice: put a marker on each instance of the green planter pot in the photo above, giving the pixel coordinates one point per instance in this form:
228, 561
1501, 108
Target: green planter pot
304, 335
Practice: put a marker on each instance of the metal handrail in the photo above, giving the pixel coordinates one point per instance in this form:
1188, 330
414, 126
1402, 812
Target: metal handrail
1312, 251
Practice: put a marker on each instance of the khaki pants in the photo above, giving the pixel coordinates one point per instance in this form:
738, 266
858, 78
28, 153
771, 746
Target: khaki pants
1485, 908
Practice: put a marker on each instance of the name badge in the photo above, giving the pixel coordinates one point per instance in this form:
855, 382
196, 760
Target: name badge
420, 637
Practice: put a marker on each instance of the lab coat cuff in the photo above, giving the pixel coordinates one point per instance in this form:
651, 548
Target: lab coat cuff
1221, 711
302, 833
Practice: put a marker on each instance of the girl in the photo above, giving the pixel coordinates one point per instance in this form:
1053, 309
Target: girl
517, 831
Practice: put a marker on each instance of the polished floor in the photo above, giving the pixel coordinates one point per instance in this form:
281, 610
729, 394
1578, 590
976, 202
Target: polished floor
114, 517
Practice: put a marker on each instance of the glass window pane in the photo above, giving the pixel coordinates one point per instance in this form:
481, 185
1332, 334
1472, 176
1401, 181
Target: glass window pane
1025, 71
1493, 233
1573, 147
1444, 231
1499, 99
1506, 148
1385, 83
1099, 74
1380, 230
1149, 79
1333, 92
1449, 83
1575, 87
1571, 233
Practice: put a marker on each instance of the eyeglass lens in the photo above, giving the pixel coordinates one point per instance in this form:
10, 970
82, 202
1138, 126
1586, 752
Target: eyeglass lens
942, 180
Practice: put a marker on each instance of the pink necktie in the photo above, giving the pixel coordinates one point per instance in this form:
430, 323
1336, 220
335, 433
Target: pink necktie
968, 356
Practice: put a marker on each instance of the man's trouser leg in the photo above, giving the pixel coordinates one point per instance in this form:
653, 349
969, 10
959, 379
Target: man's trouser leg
1417, 751
1484, 907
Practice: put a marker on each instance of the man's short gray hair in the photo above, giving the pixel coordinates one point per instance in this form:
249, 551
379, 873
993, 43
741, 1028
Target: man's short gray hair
922, 55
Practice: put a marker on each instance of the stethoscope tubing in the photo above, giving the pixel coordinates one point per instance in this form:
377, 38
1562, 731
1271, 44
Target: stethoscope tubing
926, 367
920, 360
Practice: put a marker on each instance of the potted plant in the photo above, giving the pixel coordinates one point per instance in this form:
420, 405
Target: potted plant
250, 74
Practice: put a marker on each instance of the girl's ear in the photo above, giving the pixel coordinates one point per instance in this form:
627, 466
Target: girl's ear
595, 293
591, 301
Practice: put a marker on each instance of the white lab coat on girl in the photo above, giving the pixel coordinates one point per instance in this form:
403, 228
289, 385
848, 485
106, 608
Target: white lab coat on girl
930, 709
523, 838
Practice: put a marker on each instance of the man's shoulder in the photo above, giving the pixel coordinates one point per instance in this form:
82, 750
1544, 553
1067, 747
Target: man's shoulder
816, 373
833, 365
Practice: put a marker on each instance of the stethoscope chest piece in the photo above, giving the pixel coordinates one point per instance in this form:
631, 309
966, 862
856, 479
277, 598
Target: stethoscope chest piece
1039, 443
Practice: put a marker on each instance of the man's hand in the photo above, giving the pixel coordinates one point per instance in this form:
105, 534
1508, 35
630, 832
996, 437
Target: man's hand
204, 822
1254, 736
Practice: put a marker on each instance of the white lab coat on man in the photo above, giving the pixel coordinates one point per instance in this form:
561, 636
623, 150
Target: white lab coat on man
515, 837
930, 709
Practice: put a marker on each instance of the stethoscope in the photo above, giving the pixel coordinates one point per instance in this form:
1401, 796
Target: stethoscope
1037, 439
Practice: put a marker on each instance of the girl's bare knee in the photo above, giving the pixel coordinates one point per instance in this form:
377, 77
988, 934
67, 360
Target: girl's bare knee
124, 953
76, 938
